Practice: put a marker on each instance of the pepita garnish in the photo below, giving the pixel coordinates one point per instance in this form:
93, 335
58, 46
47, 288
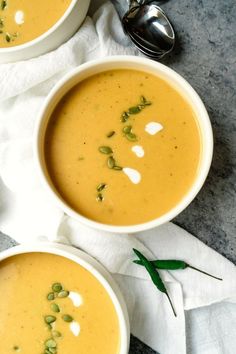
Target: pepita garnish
49, 319
55, 307
51, 296
100, 197
3, 5
101, 186
8, 37
111, 162
131, 137
135, 109
63, 293
67, 318
50, 343
56, 334
105, 150
110, 134
117, 168
57, 287
127, 129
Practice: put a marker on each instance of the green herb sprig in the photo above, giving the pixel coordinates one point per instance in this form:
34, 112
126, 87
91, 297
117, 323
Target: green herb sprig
155, 276
175, 264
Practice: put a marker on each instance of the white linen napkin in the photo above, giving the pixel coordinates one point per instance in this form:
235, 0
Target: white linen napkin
28, 215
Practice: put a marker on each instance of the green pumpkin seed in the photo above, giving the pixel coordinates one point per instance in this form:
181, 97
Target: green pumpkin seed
67, 318
127, 129
124, 117
16, 348
99, 197
134, 110
118, 168
105, 150
47, 351
55, 307
8, 37
52, 350
101, 186
49, 319
63, 293
51, 296
3, 4
131, 137
50, 343
110, 134
111, 162
57, 287
56, 334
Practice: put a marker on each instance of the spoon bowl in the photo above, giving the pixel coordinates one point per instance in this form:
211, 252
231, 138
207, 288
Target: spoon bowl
149, 29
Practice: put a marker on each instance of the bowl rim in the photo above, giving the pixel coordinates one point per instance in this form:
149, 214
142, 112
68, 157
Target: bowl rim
91, 265
44, 35
206, 158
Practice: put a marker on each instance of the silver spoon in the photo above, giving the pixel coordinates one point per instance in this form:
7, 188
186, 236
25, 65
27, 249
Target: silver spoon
149, 28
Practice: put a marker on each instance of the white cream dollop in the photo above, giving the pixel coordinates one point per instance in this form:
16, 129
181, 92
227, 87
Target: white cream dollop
134, 175
138, 150
76, 298
19, 17
153, 128
75, 328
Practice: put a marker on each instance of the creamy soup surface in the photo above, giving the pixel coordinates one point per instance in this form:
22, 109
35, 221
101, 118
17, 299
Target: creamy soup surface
23, 20
156, 146
25, 282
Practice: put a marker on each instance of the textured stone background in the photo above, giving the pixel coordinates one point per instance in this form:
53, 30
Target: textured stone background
206, 57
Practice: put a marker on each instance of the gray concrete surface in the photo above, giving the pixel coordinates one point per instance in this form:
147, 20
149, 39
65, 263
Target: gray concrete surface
206, 57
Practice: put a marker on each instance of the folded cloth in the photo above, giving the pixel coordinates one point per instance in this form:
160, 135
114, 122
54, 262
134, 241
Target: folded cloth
28, 215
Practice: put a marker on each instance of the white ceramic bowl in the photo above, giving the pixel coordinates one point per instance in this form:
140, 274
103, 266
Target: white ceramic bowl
60, 32
126, 62
94, 268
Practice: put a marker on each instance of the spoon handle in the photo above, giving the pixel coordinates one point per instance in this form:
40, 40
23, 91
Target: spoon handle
134, 3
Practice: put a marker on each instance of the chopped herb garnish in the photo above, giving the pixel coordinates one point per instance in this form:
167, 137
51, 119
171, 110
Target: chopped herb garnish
110, 134
1, 23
